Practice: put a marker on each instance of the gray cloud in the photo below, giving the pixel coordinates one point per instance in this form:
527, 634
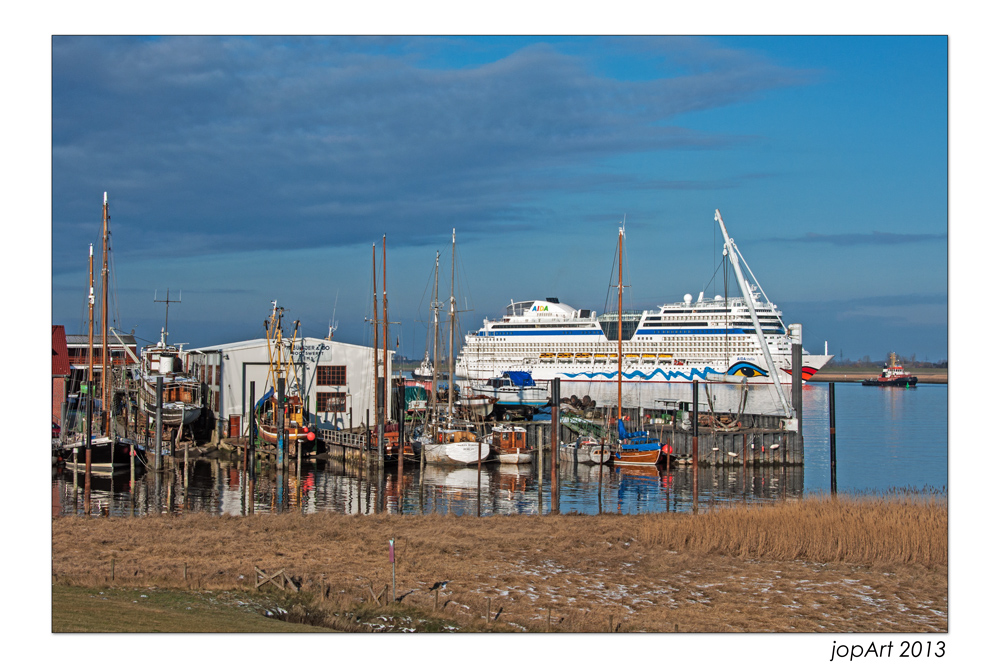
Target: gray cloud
340, 139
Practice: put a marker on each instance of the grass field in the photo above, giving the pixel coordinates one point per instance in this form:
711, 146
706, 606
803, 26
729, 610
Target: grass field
108, 609
848, 565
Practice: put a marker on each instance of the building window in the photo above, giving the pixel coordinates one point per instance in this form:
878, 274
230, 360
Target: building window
331, 376
331, 401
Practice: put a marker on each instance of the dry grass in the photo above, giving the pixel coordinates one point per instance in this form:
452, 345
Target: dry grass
814, 565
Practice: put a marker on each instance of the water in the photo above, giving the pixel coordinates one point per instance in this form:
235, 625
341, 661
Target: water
887, 439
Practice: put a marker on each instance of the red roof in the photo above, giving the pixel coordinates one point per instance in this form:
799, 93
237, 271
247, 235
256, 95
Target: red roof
60, 354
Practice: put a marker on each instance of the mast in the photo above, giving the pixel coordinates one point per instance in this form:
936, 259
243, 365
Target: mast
375, 382
621, 238
105, 380
90, 352
731, 250
436, 307
451, 328
385, 339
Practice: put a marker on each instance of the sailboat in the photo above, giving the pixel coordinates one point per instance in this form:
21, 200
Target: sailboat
107, 451
453, 444
637, 447
268, 411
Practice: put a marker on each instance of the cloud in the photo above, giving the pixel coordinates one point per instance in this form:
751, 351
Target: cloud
290, 141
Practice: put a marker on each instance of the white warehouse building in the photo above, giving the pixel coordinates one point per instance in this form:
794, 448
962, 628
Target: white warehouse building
335, 379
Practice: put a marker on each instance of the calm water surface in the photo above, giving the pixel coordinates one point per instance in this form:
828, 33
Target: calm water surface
887, 439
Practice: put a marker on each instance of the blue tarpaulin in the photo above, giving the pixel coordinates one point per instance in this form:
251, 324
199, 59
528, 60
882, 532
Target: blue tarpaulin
520, 378
268, 394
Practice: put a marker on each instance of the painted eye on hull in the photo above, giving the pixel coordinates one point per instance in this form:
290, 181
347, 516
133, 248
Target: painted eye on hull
746, 370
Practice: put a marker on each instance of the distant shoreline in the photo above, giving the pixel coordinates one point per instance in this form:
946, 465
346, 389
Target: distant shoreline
924, 375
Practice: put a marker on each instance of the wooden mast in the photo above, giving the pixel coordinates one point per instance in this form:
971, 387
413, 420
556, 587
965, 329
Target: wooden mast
105, 380
375, 382
385, 341
90, 358
621, 236
436, 307
451, 328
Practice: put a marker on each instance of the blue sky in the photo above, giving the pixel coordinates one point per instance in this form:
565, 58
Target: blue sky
245, 170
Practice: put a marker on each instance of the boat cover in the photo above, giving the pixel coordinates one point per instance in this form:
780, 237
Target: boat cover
520, 378
414, 394
268, 394
625, 435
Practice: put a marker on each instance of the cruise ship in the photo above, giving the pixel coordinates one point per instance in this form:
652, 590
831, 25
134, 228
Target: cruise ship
706, 340
710, 340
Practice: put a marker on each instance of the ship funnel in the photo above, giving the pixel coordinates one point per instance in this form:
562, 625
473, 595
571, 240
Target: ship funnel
795, 333
701, 297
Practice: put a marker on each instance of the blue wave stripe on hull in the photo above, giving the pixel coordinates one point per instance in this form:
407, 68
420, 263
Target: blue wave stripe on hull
672, 375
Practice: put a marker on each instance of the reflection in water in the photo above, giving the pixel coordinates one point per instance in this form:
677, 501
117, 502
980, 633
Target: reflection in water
886, 439
221, 487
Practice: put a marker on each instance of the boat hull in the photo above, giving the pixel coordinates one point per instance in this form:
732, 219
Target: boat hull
910, 381
638, 458
586, 454
105, 455
518, 456
456, 453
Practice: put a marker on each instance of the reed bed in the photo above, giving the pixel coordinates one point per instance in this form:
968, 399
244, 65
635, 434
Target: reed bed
861, 564
902, 530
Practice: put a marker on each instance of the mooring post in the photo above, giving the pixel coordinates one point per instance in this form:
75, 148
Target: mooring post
280, 421
158, 435
479, 479
392, 559
833, 443
540, 445
554, 449
796, 403
694, 443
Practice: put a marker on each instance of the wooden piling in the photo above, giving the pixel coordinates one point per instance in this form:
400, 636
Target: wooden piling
833, 442
554, 449
694, 445
158, 436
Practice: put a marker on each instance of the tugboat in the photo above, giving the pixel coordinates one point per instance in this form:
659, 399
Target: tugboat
892, 375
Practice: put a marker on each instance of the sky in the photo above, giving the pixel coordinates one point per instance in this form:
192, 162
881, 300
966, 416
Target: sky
241, 170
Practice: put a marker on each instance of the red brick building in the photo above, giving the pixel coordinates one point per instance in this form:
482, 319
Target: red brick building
60, 371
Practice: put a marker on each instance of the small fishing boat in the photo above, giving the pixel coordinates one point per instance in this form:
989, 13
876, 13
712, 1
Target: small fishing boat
892, 375
585, 449
181, 398
272, 415
510, 444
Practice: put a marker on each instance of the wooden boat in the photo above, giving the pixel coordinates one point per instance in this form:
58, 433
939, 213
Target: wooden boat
392, 437
635, 448
456, 447
181, 391
475, 406
585, 449
106, 454
510, 444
